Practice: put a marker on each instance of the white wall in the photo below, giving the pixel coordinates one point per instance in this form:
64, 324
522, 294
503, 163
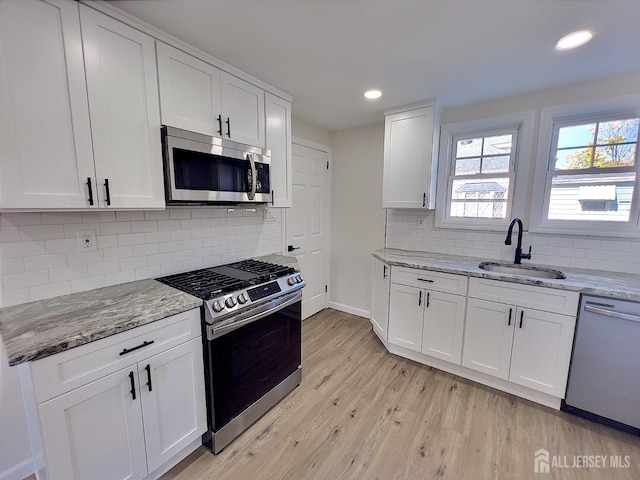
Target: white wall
357, 216
415, 230
307, 131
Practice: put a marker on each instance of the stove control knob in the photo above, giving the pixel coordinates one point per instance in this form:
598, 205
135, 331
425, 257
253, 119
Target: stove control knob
242, 298
217, 306
291, 281
299, 279
230, 302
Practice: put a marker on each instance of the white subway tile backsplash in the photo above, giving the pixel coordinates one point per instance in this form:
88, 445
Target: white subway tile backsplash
405, 231
130, 246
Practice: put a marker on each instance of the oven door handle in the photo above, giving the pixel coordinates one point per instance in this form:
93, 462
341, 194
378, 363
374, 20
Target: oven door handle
254, 181
268, 308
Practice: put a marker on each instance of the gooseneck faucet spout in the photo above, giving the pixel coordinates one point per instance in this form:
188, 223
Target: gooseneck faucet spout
519, 255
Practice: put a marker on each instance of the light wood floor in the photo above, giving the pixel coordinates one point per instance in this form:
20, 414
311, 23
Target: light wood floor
362, 413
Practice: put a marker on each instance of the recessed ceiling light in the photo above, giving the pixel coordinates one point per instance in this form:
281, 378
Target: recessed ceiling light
574, 40
372, 94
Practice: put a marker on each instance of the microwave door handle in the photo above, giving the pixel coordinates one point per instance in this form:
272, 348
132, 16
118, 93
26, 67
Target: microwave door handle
252, 193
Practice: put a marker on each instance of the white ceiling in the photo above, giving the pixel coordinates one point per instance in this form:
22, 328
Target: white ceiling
325, 53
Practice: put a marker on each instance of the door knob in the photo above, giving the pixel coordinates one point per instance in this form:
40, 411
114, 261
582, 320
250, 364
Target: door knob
291, 248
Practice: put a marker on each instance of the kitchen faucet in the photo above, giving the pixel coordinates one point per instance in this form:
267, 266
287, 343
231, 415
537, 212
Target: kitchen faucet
507, 241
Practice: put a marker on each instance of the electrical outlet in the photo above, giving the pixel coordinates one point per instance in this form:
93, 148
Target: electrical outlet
87, 241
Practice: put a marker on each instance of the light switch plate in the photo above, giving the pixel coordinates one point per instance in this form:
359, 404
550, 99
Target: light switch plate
87, 241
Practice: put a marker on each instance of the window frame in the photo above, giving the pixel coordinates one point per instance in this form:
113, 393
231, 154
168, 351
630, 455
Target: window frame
554, 118
519, 123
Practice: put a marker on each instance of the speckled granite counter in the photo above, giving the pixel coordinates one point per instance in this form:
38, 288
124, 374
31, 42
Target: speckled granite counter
38, 329
285, 260
594, 282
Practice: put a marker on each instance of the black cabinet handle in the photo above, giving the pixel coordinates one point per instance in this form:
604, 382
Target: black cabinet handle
228, 122
424, 199
273, 198
133, 385
521, 317
142, 345
106, 187
510, 312
420, 298
90, 190
220, 125
384, 271
148, 369
428, 296
425, 280
291, 248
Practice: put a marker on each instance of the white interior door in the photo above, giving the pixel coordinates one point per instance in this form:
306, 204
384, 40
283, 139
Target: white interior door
306, 224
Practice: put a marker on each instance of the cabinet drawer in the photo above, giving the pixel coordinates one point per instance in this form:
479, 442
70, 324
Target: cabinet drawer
539, 298
65, 371
437, 281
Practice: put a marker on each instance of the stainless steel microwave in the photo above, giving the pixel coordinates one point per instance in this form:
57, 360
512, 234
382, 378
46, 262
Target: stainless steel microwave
200, 169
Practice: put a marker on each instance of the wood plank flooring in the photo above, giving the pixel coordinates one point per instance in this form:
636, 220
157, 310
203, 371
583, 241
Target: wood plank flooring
362, 413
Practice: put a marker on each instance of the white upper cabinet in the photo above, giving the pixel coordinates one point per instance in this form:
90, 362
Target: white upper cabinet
278, 140
45, 140
125, 112
189, 92
67, 142
199, 97
411, 157
243, 111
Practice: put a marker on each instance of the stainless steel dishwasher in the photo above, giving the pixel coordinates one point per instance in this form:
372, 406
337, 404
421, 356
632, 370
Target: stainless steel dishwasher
604, 377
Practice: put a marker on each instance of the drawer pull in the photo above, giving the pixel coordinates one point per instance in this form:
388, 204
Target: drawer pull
509, 321
420, 298
148, 369
428, 295
425, 280
521, 317
129, 350
133, 385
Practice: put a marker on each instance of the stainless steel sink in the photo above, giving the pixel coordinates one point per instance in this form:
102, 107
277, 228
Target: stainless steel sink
524, 270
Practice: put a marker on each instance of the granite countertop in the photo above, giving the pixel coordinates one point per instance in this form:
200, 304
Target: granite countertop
35, 330
594, 282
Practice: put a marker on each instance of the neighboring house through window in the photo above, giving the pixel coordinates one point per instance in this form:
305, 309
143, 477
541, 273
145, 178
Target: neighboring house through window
587, 170
478, 165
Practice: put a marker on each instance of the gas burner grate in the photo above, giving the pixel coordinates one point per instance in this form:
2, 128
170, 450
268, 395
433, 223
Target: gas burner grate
203, 283
262, 268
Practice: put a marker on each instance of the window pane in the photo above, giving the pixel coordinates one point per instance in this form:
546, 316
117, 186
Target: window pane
471, 209
573, 159
467, 166
615, 156
495, 164
470, 147
498, 145
490, 188
592, 197
576, 136
618, 131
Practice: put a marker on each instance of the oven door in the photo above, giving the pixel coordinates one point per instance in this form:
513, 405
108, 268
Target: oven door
202, 169
248, 361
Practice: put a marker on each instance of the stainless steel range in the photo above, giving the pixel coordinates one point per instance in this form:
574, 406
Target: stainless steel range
252, 328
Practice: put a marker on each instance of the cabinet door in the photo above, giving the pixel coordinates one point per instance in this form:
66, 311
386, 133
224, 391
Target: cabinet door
189, 91
443, 326
122, 84
95, 431
243, 111
405, 316
380, 298
488, 337
408, 156
542, 350
278, 140
45, 140
173, 401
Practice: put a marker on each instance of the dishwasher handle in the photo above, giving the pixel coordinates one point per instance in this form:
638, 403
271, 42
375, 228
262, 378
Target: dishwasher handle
609, 313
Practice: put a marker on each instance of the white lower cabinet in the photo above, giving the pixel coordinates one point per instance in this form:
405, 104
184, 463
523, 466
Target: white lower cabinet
126, 424
527, 346
427, 320
380, 298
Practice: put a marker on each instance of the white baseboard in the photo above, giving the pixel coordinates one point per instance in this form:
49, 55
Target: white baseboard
19, 471
352, 310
